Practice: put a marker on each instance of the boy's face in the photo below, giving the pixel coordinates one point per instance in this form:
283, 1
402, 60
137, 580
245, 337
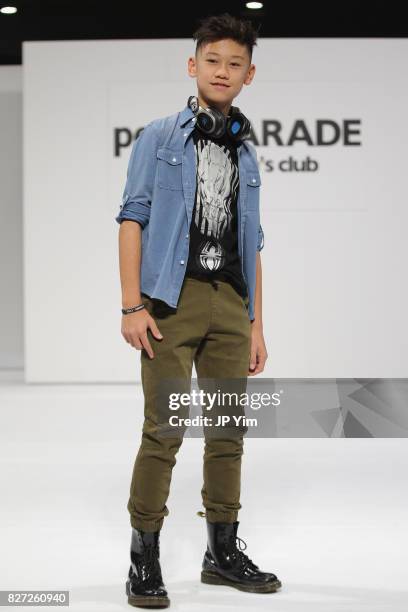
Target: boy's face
226, 62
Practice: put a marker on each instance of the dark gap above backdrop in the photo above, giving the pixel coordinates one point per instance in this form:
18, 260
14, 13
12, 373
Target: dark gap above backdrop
93, 20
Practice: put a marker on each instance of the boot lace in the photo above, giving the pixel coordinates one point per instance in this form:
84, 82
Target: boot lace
238, 554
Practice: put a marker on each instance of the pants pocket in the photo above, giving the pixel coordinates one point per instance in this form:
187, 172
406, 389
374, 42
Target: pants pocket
157, 308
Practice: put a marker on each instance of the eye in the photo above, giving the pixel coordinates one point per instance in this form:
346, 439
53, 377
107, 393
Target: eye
211, 60
235, 64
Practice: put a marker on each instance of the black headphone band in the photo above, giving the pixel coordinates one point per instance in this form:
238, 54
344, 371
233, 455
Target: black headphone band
212, 122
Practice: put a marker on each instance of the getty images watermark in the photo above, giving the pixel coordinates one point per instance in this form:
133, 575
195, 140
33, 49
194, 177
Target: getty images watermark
211, 401
285, 408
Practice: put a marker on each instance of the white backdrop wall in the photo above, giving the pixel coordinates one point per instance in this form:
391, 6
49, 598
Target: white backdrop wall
11, 211
335, 295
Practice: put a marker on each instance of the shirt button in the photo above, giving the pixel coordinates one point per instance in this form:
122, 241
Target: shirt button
187, 235
254, 180
185, 133
181, 261
174, 159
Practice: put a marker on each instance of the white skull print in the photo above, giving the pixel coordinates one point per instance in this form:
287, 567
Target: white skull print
216, 181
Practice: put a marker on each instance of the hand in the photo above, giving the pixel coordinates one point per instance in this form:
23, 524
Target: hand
134, 330
258, 354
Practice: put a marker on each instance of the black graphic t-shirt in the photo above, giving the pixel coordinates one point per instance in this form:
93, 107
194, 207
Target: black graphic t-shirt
213, 250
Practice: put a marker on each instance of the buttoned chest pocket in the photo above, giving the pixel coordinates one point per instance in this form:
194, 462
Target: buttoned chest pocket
169, 174
253, 188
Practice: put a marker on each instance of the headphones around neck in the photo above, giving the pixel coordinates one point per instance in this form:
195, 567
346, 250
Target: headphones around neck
212, 122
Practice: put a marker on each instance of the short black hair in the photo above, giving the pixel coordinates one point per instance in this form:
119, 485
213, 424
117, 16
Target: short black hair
218, 27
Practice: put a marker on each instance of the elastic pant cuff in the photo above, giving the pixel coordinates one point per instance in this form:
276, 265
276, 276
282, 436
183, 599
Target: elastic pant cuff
149, 526
221, 517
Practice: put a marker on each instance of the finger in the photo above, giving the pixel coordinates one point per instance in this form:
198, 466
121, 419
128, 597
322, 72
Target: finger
261, 360
154, 329
137, 344
146, 345
256, 371
133, 340
252, 359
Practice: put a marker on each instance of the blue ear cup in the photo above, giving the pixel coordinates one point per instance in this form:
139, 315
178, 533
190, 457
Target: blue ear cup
238, 126
212, 122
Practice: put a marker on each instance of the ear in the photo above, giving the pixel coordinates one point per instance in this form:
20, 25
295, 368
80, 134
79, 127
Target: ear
192, 66
250, 74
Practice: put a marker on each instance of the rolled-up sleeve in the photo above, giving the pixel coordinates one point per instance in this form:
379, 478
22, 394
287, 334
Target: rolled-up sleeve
137, 195
260, 244
260, 238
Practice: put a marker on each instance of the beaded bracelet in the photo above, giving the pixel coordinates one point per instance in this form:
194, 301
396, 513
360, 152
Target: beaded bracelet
132, 309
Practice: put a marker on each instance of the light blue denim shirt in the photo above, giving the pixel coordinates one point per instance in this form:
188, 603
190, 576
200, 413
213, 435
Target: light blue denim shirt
159, 194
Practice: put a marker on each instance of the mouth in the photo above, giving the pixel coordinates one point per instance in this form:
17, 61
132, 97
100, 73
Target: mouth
220, 85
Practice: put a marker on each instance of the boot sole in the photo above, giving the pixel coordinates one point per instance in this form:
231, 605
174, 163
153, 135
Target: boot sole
149, 601
210, 577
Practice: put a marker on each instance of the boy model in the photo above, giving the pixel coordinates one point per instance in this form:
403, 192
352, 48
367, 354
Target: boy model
191, 278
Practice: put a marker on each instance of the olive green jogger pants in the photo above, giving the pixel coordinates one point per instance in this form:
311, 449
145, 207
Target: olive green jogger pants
210, 328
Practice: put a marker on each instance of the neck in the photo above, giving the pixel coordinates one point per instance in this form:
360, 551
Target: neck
224, 108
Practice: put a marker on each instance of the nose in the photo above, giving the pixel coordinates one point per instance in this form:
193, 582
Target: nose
221, 72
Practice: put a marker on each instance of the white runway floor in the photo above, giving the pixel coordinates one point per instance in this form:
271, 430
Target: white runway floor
328, 516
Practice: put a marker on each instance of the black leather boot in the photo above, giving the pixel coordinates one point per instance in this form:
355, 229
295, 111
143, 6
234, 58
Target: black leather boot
144, 586
225, 563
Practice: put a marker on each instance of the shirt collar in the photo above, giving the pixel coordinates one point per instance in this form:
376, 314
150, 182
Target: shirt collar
186, 115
